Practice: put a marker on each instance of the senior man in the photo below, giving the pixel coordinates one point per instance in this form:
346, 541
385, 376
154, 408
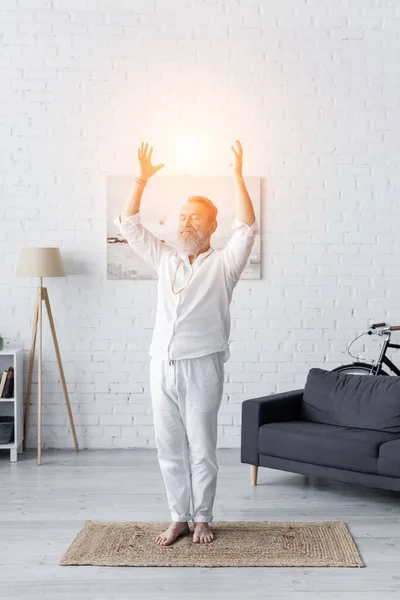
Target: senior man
190, 342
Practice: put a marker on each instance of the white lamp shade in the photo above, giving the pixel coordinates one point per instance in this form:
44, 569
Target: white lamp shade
40, 262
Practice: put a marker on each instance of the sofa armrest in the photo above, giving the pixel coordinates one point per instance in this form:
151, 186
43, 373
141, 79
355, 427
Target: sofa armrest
285, 406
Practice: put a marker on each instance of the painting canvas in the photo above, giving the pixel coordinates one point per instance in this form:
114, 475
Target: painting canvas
161, 203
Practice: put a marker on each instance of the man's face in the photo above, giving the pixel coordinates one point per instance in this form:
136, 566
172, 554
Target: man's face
194, 227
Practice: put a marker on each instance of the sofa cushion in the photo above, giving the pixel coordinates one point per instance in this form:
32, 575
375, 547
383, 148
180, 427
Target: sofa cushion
317, 443
362, 401
389, 459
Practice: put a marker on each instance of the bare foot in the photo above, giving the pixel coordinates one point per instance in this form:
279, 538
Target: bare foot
170, 535
202, 533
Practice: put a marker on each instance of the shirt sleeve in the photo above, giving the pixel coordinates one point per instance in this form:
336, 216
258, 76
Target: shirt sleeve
238, 249
141, 240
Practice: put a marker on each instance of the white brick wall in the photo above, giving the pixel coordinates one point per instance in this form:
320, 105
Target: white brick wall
312, 90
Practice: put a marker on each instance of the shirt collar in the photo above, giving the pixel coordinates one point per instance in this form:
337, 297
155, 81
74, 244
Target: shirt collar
184, 255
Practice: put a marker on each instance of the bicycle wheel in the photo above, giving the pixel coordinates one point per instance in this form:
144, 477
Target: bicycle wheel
357, 369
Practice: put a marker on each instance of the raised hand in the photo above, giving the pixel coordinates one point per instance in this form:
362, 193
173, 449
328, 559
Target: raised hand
146, 169
236, 166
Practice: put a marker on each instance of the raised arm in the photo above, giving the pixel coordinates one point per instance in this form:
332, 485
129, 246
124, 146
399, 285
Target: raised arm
244, 205
140, 239
144, 172
238, 249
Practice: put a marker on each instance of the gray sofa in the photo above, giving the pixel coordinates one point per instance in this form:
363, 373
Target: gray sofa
343, 427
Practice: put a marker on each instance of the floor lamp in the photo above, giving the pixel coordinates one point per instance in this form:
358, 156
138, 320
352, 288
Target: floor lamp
42, 262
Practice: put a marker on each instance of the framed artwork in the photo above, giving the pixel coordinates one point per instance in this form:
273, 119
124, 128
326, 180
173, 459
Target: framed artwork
162, 200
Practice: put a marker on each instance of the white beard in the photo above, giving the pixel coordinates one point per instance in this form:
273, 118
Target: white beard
190, 243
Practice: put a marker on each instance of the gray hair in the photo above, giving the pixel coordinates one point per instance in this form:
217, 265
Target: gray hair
212, 209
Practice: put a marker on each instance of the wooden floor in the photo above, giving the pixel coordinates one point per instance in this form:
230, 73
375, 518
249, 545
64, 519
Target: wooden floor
42, 508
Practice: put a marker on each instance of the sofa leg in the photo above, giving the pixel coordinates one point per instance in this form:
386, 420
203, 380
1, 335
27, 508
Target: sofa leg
253, 474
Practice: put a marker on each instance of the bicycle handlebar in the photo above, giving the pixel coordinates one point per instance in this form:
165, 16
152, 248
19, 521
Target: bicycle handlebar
392, 328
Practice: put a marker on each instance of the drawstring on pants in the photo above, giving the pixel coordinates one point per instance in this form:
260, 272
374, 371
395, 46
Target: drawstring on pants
171, 362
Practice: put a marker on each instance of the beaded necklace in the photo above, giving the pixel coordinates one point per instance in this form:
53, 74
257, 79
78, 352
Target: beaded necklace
190, 278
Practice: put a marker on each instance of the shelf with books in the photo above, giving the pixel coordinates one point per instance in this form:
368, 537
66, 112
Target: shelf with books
11, 407
7, 383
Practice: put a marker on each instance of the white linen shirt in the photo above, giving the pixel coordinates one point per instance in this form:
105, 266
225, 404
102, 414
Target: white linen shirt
196, 321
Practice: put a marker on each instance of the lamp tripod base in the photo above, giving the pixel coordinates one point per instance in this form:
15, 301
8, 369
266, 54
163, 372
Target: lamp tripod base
43, 296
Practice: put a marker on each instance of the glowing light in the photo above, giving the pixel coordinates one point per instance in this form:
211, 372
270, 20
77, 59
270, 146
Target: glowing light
189, 153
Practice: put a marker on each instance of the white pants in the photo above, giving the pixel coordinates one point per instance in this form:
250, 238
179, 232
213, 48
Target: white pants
186, 395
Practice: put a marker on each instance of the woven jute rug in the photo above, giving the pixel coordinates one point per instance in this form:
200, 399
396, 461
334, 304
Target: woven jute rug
236, 544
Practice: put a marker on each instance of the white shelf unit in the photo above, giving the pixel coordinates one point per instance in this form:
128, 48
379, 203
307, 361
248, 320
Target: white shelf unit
13, 357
